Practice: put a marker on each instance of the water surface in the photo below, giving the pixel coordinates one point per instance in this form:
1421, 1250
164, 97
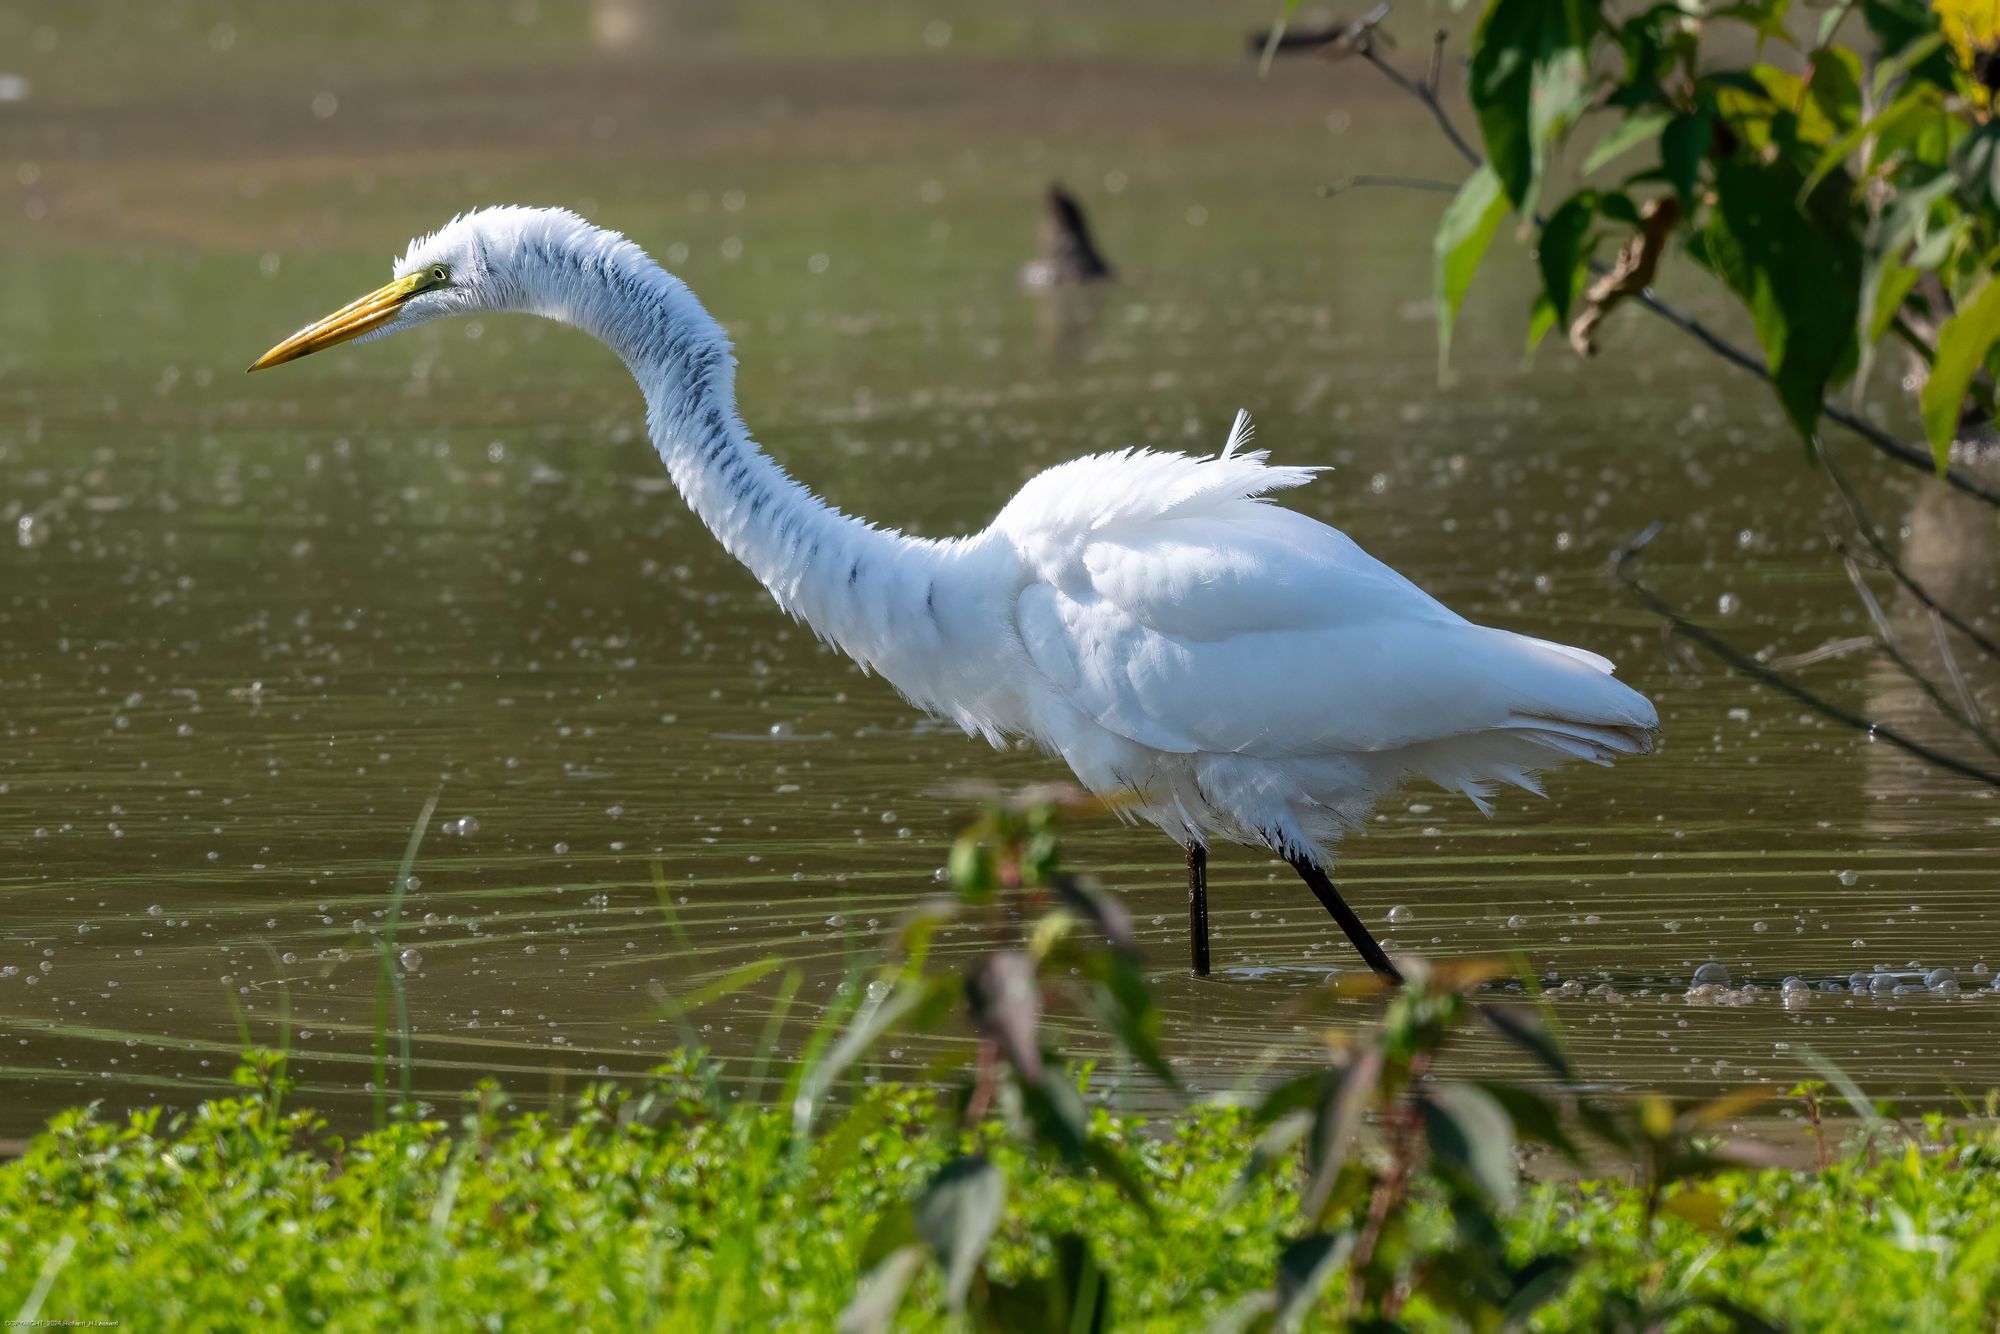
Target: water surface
247, 626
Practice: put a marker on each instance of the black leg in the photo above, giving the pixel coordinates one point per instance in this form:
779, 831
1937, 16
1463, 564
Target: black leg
1197, 867
1329, 897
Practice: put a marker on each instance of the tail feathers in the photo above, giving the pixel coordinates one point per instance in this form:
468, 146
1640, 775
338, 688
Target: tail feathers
1596, 742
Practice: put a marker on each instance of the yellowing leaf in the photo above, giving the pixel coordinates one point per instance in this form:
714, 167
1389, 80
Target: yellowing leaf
1962, 345
1462, 237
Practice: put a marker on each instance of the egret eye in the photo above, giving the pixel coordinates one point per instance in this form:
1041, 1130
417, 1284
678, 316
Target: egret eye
440, 274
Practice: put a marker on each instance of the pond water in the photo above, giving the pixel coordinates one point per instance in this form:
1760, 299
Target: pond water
249, 626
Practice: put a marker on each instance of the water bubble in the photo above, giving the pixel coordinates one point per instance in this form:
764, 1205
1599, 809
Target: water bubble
1516, 922
1711, 975
411, 961
1400, 914
1943, 981
1760, 927
464, 826
1882, 984
31, 531
1848, 877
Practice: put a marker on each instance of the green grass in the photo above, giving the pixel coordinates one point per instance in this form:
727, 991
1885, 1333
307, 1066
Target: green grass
650, 1208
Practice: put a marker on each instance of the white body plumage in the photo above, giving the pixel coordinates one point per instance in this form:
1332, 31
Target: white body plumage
1234, 669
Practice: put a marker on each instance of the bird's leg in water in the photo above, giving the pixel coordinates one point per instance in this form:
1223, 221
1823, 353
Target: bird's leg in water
1197, 864
1329, 897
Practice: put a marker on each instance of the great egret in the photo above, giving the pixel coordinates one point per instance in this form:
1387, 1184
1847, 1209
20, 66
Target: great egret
1228, 668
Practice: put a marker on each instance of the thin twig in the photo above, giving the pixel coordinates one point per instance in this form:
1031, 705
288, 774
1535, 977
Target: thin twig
1428, 98
1624, 563
1838, 648
1888, 444
1965, 699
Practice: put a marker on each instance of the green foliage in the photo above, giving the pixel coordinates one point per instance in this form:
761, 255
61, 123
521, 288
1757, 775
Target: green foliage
650, 1209
1843, 196
1371, 1191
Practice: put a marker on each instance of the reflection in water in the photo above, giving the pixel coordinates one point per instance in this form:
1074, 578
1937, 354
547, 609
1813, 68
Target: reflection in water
1067, 318
1949, 548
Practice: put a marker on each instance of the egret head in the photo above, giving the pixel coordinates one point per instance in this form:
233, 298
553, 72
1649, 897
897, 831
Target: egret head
473, 263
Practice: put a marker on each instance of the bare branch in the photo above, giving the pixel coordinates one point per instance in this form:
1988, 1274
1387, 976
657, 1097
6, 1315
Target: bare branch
1427, 93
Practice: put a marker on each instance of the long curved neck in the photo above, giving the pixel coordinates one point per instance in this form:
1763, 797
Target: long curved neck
869, 590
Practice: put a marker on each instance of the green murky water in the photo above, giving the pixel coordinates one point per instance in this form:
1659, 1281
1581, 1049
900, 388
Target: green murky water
248, 625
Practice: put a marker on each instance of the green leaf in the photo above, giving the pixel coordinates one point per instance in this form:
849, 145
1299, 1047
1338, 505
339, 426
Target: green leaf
1278, 1140
1060, 1120
973, 870
1101, 907
1908, 109
1904, 29
1529, 79
1626, 135
1798, 272
1562, 250
1890, 70
923, 999
1682, 147
1124, 1001
957, 1215
1885, 299
1470, 1134
1836, 88
1006, 1003
1534, 1116
1767, 17
1962, 345
1342, 1100
1526, 1031
1303, 1270
1541, 319
1462, 237
1072, 1298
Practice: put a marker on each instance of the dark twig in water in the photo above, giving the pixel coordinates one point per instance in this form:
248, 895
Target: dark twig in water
1625, 562
1887, 560
1966, 717
1362, 44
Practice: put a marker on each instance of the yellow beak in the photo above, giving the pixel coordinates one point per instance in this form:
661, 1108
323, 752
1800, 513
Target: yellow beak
368, 314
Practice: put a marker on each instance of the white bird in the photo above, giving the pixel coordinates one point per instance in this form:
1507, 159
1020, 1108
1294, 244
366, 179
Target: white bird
1221, 666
